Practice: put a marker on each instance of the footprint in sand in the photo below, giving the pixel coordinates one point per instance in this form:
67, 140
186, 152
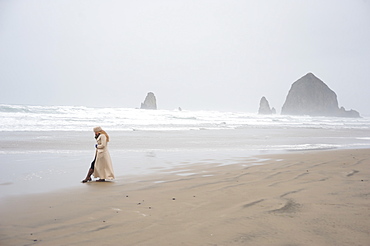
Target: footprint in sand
289, 207
353, 172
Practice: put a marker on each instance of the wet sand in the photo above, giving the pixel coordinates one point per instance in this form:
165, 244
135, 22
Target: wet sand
301, 198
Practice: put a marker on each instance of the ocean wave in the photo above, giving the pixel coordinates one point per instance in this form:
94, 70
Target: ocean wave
80, 118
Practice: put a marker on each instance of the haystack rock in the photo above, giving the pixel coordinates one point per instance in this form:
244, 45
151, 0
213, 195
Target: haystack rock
265, 107
311, 96
150, 102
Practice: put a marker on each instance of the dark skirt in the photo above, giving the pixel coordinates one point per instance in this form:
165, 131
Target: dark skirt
93, 163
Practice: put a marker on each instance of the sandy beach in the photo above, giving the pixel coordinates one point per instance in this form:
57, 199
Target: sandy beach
300, 198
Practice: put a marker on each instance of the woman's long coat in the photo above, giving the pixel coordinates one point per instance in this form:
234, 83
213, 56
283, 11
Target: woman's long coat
103, 164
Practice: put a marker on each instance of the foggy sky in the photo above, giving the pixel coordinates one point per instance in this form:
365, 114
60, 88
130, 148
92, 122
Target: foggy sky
198, 55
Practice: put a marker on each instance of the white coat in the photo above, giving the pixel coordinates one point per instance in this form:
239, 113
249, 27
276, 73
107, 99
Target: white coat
103, 164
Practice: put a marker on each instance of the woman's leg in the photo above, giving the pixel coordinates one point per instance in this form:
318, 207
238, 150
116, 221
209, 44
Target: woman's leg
90, 172
88, 176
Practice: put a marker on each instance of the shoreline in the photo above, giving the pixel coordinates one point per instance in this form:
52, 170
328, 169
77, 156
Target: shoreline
298, 198
34, 162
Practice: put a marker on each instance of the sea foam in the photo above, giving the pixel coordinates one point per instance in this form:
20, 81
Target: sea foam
72, 118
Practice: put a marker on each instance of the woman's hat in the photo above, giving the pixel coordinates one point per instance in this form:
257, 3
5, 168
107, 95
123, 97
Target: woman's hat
98, 129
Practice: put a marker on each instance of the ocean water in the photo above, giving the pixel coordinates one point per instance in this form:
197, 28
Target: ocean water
45, 148
70, 118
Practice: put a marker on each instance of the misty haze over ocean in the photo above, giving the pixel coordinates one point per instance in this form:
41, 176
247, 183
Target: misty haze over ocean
197, 55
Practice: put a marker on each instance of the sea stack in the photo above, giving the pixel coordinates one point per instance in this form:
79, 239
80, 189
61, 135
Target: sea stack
311, 96
150, 102
265, 107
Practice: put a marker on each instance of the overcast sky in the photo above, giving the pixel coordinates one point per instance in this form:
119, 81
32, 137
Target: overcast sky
201, 54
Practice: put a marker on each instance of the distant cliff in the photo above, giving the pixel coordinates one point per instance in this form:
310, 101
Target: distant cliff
150, 102
311, 96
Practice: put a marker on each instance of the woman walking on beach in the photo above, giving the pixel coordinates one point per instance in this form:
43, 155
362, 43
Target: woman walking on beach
101, 166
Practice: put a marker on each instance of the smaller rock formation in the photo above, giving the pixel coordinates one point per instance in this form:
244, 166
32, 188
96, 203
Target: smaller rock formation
348, 113
265, 107
273, 110
150, 102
